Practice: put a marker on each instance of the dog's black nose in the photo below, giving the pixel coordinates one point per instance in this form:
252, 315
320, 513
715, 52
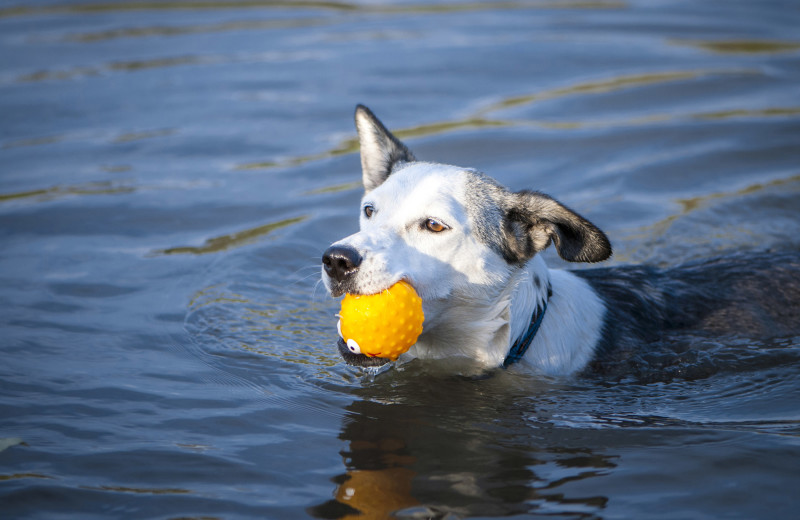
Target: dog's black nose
341, 261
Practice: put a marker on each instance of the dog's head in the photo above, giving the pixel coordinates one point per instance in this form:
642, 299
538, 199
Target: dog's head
450, 232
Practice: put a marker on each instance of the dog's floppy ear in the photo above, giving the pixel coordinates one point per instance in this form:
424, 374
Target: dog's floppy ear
533, 220
380, 150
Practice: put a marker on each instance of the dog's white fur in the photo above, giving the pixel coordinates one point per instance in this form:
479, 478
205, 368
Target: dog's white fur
476, 302
571, 328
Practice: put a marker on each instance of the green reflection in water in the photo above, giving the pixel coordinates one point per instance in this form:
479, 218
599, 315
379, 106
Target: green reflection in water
116, 168
241, 25
17, 476
34, 141
480, 119
120, 66
757, 113
56, 75
346, 147
420, 8
90, 8
742, 46
224, 242
142, 491
450, 126
692, 204
598, 87
351, 145
335, 188
158, 63
92, 188
147, 134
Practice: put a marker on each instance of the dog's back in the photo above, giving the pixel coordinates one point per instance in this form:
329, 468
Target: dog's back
749, 295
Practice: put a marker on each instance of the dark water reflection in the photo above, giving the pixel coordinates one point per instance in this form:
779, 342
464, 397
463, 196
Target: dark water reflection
461, 448
510, 445
170, 173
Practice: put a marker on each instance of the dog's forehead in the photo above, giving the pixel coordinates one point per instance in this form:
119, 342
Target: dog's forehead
423, 185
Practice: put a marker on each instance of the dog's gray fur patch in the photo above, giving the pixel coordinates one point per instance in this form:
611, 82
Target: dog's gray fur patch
517, 225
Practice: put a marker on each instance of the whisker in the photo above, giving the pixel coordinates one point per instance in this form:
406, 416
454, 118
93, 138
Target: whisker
315, 267
314, 290
304, 278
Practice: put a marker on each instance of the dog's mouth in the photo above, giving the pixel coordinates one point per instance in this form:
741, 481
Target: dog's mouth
359, 360
348, 286
356, 358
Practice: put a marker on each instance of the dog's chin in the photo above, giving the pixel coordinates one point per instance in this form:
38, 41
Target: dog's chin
338, 288
349, 286
359, 360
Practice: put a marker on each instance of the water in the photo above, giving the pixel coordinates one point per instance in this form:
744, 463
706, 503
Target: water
171, 172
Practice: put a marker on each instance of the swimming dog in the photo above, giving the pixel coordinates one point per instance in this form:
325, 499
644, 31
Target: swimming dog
471, 249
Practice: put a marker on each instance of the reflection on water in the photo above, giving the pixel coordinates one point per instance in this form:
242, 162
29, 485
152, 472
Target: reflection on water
154, 63
742, 46
370, 493
420, 8
335, 188
745, 113
240, 25
121, 66
149, 134
599, 87
35, 141
17, 476
142, 491
396, 442
92, 188
121, 138
478, 119
657, 230
238, 239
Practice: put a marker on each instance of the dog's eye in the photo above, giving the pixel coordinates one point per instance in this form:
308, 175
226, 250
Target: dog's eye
368, 211
434, 226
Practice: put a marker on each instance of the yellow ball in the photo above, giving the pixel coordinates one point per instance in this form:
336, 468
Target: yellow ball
382, 325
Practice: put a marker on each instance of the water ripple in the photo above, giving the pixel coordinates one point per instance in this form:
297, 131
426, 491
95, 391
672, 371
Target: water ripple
156, 63
480, 118
741, 46
421, 8
90, 188
161, 30
233, 240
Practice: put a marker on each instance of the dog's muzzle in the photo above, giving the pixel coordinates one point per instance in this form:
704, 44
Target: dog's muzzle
341, 264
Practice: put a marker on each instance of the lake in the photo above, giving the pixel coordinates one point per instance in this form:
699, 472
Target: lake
171, 172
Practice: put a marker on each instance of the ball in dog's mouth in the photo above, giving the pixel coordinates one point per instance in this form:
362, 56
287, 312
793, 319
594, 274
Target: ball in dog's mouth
383, 325
359, 360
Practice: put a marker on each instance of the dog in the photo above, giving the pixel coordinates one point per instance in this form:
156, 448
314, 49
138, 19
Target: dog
471, 249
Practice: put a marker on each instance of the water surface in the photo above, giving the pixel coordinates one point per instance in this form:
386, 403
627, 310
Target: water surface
171, 172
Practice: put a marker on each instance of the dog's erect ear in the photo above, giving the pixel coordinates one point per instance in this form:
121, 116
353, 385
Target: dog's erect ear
533, 220
380, 150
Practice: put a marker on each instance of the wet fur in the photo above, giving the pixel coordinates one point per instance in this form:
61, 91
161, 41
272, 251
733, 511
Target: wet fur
482, 280
744, 294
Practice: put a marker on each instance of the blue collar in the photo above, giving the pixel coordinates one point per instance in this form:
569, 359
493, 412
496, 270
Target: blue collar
520, 346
